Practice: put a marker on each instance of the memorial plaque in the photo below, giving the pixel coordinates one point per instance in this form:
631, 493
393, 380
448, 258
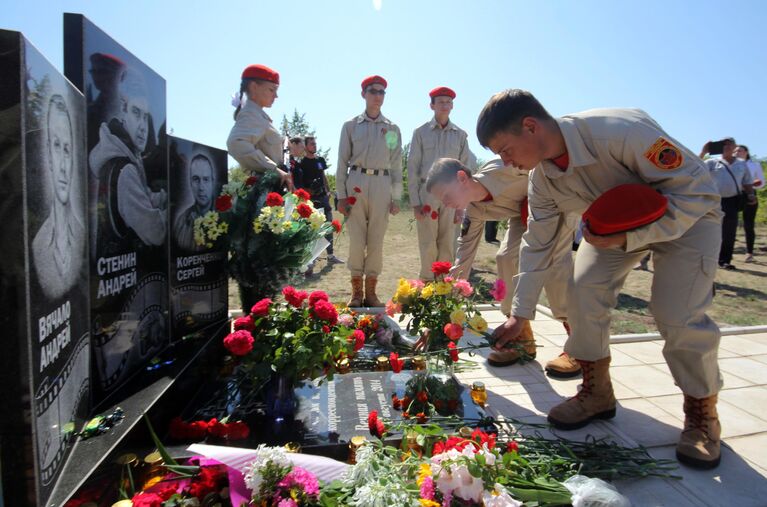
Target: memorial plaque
45, 363
127, 202
198, 277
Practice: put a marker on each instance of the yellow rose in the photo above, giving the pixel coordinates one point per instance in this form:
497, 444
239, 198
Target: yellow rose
458, 317
443, 288
477, 323
404, 290
427, 291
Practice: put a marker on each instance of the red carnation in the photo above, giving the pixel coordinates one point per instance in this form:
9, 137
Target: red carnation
252, 180
216, 429
302, 194
326, 311
178, 429
147, 500
359, 339
261, 308
224, 202
239, 343
325, 328
336, 226
208, 481
352, 200
441, 268
422, 396
375, 425
453, 331
396, 402
512, 446
426, 208
482, 438
396, 362
274, 199
452, 405
237, 430
294, 297
245, 323
357, 189
453, 351
421, 418
434, 215
318, 295
304, 210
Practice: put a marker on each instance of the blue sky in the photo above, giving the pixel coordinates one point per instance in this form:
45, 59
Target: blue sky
697, 67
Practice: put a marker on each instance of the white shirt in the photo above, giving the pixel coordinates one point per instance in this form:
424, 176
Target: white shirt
755, 168
725, 180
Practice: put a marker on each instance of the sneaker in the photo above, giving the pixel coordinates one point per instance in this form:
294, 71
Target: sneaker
749, 258
332, 259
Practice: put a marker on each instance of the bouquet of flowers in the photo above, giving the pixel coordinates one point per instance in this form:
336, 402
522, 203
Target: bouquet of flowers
426, 395
440, 311
275, 482
270, 237
298, 338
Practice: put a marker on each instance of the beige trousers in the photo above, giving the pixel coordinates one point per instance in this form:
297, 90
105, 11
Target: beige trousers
436, 238
682, 289
367, 222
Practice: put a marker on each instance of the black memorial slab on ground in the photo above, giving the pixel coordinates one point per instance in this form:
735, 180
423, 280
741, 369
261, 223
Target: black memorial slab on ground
127, 202
327, 415
198, 277
44, 367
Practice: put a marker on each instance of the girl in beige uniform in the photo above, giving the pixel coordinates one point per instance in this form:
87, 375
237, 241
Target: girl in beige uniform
253, 141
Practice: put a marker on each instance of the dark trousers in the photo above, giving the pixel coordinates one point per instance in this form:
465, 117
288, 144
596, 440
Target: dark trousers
324, 203
729, 228
749, 217
491, 231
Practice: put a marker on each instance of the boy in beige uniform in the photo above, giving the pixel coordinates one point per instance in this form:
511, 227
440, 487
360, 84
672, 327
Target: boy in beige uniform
498, 193
436, 223
369, 186
574, 160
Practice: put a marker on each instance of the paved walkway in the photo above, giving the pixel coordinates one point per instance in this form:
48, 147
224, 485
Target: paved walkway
650, 413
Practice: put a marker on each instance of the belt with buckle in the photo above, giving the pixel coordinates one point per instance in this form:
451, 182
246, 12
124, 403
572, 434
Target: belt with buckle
370, 172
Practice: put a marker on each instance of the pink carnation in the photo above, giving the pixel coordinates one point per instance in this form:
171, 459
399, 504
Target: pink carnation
499, 290
302, 479
427, 488
417, 283
464, 287
393, 308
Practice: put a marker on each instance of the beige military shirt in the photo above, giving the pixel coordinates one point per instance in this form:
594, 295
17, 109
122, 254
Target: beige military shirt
431, 142
253, 141
370, 144
508, 188
607, 148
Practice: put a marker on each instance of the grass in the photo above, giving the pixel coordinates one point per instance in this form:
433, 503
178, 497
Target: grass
740, 295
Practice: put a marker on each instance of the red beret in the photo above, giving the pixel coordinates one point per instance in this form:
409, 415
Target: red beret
442, 90
106, 60
257, 71
371, 80
624, 208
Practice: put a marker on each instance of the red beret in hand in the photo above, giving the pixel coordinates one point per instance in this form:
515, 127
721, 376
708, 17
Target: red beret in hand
624, 208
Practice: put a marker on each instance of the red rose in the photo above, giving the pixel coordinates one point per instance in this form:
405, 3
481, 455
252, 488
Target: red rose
326, 311
512, 446
252, 180
245, 323
239, 343
453, 331
294, 297
357, 189
351, 200
325, 328
318, 295
396, 362
359, 339
453, 351
426, 208
216, 429
441, 268
261, 308
304, 210
237, 430
336, 226
147, 500
422, 396
274, 199
224, 202
302, 194
434, 215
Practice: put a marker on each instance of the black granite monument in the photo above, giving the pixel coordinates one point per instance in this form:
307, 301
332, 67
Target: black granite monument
45, 364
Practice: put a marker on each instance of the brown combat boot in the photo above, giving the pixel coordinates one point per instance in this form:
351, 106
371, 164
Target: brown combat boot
563, 366
356, 299
699, 445
508, 357
370, 292
595, 400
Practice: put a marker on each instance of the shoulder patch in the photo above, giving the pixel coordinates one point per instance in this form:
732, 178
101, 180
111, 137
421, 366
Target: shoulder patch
664, 155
